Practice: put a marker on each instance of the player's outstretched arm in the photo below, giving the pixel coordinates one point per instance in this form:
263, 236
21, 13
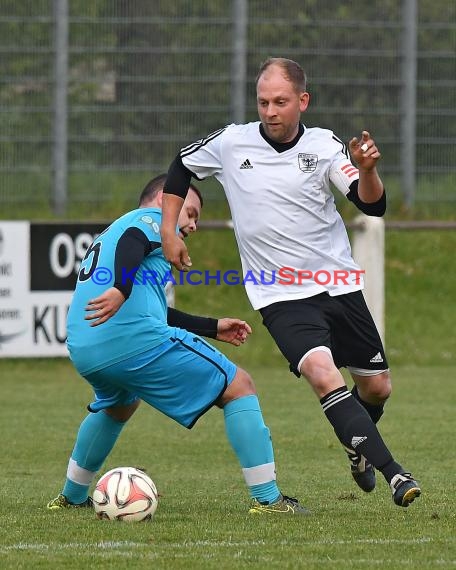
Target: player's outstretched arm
233, 331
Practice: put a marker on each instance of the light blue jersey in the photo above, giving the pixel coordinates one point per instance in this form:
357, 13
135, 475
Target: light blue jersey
141, 322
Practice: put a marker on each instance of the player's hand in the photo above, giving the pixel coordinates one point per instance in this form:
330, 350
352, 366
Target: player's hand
233, 331
104, 307
364, 152
175, 251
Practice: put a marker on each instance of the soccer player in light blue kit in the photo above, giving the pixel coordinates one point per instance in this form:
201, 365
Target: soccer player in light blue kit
126, 342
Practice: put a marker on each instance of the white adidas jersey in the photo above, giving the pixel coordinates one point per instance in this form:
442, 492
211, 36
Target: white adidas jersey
292, 241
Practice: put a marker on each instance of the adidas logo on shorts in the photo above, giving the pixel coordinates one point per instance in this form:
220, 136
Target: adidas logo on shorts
376, 358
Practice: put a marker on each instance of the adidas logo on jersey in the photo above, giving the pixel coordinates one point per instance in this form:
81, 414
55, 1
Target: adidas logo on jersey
356, 440
376, 358
246, 164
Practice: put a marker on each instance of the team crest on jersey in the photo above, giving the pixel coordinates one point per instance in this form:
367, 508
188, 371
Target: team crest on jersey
307, 162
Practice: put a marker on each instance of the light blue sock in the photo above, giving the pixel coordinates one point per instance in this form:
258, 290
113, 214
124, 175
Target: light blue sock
96, 437
251, 441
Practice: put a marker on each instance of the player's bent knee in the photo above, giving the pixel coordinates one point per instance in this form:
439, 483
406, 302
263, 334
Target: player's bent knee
123, 413
317, 362
381, 387
242, 385
320, 371
374, 388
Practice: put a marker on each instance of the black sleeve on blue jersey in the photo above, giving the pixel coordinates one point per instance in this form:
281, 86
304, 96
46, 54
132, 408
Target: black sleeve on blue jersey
131, 249
178, 179
203, 326
377, 208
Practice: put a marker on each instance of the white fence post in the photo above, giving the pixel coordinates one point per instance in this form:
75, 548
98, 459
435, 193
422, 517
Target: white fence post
369, 254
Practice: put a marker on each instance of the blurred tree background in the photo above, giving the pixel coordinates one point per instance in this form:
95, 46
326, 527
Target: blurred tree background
145, 78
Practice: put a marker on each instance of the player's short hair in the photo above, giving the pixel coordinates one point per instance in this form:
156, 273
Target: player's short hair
292, 71
154, 186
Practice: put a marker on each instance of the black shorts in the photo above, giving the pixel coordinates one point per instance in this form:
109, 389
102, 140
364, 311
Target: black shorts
343, 324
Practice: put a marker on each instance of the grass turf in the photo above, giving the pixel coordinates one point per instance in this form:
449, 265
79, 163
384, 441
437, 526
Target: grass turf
202, 519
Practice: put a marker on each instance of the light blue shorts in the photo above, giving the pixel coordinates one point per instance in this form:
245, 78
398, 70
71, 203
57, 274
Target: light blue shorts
183, 377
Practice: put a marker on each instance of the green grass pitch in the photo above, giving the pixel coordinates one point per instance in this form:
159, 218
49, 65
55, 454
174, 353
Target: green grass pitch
202, 520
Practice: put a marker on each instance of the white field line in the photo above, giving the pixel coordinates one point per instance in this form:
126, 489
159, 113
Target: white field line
103, 545
304, 542
108, 545
104, 549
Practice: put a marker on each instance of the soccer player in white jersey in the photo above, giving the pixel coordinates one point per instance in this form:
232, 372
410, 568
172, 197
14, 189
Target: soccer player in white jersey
277, 176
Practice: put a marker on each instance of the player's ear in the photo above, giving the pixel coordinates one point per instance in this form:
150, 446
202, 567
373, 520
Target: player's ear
159, 198
304, 99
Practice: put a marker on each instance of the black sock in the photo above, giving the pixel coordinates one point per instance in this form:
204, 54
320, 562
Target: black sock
375, 411
356, 430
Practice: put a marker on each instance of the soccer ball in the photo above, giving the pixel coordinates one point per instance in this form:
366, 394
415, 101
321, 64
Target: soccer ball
125, 494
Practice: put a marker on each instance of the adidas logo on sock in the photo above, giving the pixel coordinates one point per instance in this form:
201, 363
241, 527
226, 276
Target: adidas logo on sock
246, 164
356, 440
376, 358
